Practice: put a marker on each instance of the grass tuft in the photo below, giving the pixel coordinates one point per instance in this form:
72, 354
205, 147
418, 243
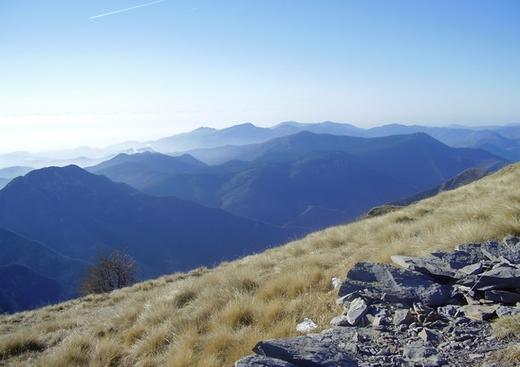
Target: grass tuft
20, 343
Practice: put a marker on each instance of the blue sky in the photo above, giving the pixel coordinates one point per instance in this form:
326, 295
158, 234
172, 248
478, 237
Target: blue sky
68, 80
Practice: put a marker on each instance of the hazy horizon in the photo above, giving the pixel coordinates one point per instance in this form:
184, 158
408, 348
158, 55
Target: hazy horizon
144, 139
102, 72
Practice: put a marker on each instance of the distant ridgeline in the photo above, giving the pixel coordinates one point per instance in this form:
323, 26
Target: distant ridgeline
307, 181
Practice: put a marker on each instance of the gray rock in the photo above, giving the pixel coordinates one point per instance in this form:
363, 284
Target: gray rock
511, 241
422, 311
262, 361
505, 297
448, 311
396, 285
306, 326
459, 258
437, 324
462, 320
473, 250
431, 336
347, 298
380, 321
508, 250
472, 269
503, 311
434, 361
307, 351
417, 351
340, 320
432, 266
479, 312
498, 278
402, 317
358, 309
463, 294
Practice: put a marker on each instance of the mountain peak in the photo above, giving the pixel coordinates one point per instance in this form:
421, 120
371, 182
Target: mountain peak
243, 126
66, 183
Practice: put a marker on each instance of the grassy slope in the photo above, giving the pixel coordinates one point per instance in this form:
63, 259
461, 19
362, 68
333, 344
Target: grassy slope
213, 317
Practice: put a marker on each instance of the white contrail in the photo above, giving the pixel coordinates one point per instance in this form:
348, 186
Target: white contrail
126, 9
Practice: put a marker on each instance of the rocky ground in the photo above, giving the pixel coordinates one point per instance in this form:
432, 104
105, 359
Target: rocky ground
429, 311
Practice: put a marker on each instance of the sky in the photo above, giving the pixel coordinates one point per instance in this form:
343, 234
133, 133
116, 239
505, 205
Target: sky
98, 72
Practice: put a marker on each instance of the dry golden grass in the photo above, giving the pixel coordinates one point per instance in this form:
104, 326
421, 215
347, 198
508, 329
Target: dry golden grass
510, 356
507, 327
210, 318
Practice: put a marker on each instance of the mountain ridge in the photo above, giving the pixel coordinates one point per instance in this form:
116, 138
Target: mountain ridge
338, 174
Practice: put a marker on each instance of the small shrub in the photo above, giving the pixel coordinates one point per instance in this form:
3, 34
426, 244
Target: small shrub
110, 272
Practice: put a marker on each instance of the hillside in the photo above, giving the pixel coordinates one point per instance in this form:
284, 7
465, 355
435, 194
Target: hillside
21, 288
41, 261
212, 317
76, 214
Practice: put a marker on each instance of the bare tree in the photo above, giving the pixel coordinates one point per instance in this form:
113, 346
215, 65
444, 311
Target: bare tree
113, 271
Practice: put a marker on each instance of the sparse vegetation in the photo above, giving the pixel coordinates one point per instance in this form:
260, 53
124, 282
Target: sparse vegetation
210, 318
19, 343
110, 271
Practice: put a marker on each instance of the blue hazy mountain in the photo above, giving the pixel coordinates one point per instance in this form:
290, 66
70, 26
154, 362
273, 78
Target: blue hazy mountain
243, 134
503, 141
500, 140
41, 267
146, 169
23, 289
76, 213
16, 249
313, 180
247, 133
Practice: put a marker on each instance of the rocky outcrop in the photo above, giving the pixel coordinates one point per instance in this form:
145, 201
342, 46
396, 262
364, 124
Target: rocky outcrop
429, 311
393, 285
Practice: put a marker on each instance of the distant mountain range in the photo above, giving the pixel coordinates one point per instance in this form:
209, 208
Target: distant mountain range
305, 180
503, 141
